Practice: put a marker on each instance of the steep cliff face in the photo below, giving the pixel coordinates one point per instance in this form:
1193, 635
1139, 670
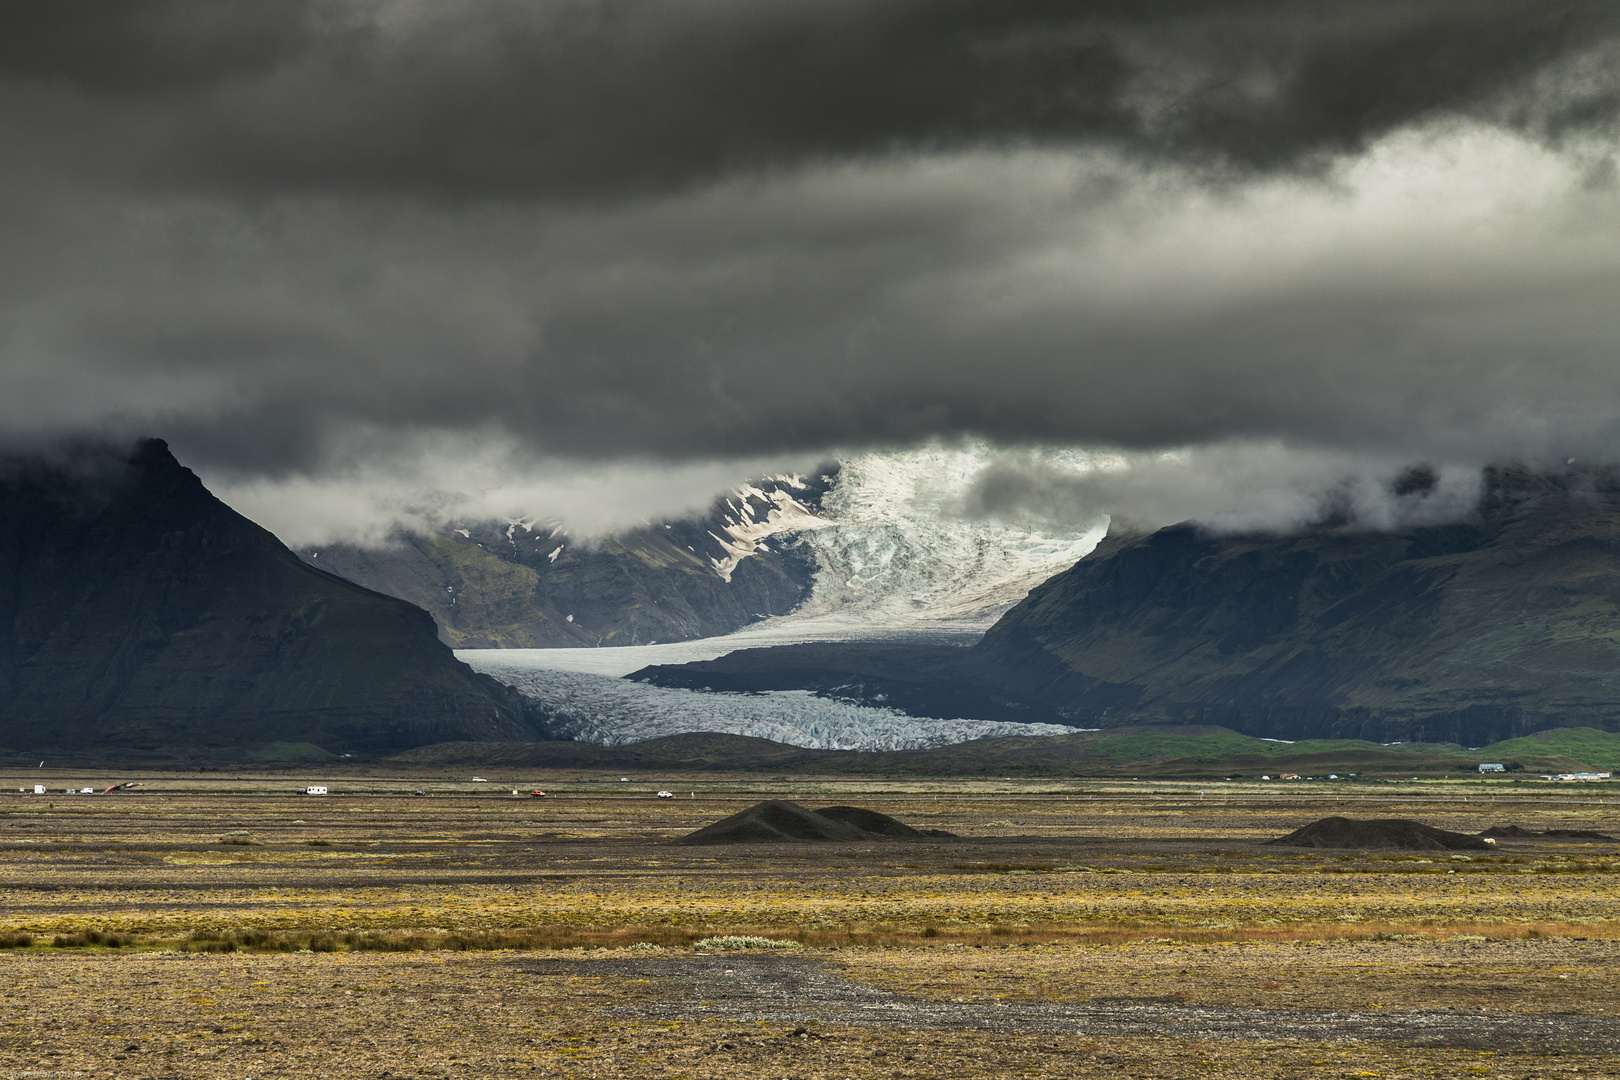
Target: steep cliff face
495, 585
139, 614
1466, 633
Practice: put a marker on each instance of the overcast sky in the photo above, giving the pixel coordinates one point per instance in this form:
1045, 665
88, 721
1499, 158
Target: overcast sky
332, 247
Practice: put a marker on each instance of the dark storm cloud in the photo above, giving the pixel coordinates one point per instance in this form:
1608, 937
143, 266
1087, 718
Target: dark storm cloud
309, 237
120, 47
593, 97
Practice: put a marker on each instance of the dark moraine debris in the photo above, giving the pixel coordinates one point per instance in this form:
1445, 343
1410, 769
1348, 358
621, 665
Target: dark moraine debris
1577, 834
778, 821
876, 824
1339, 832
1508, 832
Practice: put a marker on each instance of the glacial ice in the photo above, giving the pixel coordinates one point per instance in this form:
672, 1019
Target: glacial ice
613, 712
903, 556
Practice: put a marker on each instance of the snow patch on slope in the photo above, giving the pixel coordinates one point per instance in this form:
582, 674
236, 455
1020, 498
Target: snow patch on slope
744, 535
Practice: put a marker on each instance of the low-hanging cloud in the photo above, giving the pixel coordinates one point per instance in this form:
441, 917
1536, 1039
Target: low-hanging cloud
1234, 487
434, 481
633, 231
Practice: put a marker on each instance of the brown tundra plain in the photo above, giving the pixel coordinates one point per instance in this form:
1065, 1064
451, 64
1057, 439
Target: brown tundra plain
202, 925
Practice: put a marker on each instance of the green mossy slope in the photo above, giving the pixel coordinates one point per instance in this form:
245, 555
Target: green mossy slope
1468, 633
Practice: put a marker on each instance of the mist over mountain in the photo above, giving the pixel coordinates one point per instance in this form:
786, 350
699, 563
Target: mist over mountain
876, 545
530, 584
141, 617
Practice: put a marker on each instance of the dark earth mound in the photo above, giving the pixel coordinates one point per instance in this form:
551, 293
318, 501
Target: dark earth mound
1339, 832
1508, 832
1577, 834
776, 821
773, 820
874, 823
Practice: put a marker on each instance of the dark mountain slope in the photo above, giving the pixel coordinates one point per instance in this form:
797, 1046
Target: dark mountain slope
524, 585
921, 680
139, 613
1466, 633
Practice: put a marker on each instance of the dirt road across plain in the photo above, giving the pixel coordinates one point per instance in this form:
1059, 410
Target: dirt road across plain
787, 990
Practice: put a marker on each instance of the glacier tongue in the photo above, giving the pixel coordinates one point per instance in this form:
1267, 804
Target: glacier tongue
898, 561
613, 712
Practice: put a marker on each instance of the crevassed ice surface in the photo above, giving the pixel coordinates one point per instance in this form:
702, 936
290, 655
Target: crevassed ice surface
612, 712
899, 561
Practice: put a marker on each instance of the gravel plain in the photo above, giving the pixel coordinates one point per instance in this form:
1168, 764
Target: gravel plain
1068, 931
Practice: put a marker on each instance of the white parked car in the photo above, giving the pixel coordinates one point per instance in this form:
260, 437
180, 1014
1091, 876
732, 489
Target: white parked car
479, 780
666, 794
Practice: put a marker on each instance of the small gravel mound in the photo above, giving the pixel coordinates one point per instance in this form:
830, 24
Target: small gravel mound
777, 821
876, 824
774, 820
1508, 832
1339, 832
1577, 834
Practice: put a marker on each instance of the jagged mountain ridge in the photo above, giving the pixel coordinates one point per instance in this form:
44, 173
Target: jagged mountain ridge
527, 584
140, 615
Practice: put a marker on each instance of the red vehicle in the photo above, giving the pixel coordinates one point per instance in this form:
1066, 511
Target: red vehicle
537, 794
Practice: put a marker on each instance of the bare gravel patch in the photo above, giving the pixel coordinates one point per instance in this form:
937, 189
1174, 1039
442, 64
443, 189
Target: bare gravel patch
774, 989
